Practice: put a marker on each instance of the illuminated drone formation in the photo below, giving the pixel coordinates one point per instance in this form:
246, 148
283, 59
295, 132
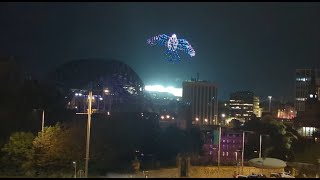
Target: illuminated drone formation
172, 44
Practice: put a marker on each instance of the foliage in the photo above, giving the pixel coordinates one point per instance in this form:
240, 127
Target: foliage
235, 124
278, 143
18, 153
55, 150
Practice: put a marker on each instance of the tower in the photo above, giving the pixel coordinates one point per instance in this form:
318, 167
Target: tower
203, 98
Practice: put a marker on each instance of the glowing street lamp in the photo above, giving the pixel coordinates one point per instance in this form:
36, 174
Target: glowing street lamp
75, 169
107, 91
270, 97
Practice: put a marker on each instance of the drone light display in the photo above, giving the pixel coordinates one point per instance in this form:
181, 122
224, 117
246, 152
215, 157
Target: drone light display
173, 44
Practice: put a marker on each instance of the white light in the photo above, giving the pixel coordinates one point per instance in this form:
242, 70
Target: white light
172, 117
76, 94
197, 119
108, 113
160, 88
311, 95
269, 97
80, 94
101, 99
206, 120
223, 115
168, 116
162, 117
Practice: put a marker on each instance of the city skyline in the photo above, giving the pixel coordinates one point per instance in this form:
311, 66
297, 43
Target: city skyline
240, 46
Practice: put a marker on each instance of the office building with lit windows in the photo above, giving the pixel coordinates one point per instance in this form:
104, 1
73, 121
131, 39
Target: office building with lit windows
302, 83
257, 110
241, 105
203, 98
307, 121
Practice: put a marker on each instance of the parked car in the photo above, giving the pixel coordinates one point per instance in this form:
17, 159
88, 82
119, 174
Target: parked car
285, 175
241, 176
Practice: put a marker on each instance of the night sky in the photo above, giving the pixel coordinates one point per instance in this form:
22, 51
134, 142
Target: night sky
239, 46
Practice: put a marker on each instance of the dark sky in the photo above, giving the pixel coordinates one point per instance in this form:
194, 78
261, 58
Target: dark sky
239, 46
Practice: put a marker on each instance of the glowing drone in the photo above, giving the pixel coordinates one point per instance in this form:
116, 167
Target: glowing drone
173, 44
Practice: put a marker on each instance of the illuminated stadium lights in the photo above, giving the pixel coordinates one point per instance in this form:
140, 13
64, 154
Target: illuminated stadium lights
160, 88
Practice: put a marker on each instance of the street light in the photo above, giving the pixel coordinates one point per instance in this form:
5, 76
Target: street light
223, 115
261, 143
75, 169
88, 133
236, 156
90, 98
270, 97
42, 123
242, 153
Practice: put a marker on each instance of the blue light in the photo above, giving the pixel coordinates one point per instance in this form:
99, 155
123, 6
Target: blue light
172, 44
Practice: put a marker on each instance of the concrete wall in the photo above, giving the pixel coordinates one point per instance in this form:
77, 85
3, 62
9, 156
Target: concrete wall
204, 172
161, 173
226, 171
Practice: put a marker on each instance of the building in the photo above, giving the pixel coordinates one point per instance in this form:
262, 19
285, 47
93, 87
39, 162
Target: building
286, 111
203, 98
241, 105
307, 121
231, 146
256, 106
302, 83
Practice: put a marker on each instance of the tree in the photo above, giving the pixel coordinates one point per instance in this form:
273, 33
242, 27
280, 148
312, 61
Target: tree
55, 150
278, 144
19, 153
236, 124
